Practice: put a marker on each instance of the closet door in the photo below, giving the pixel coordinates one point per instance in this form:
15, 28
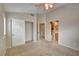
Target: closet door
18, 32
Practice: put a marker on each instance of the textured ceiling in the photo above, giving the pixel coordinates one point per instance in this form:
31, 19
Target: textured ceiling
27, 7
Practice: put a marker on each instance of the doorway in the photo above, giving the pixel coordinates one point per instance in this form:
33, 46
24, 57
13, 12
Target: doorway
28, 31
42, 31
55, 31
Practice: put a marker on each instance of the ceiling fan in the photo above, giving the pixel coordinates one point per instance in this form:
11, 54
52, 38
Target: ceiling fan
45, 6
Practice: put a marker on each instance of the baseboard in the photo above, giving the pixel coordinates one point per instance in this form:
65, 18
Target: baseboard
70, 47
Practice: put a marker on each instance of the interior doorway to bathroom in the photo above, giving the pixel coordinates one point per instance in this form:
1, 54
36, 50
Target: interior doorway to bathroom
55, 30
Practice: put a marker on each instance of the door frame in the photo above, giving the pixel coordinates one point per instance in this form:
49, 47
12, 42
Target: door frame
40, 28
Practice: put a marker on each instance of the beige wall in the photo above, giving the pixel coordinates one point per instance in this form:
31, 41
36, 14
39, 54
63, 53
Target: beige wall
2, 37
68, 17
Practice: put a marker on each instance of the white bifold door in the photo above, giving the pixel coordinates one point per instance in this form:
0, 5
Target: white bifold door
18, 32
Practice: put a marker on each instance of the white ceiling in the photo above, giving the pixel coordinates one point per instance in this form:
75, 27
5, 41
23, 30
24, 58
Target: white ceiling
27, 7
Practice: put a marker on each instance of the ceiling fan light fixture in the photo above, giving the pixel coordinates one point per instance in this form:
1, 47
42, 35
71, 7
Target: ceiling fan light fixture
50, 6
46, 6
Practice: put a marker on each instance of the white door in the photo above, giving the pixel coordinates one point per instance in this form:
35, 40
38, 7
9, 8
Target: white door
29, 31
18, 32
